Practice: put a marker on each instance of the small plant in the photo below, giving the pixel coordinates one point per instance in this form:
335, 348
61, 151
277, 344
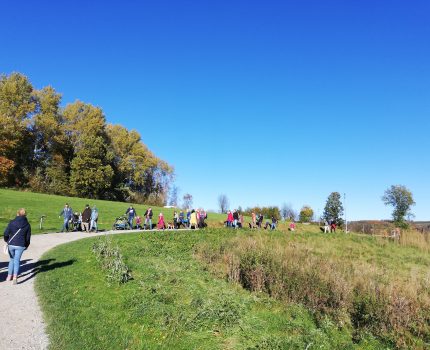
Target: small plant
111, 261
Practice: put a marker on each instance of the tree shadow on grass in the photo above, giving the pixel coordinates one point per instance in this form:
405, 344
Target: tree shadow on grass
29, 270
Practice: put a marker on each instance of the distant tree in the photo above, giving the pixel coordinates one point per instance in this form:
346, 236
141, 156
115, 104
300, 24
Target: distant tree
174, 196
187, 201
223, 203
333, 210
306, 214
287, 212
267, 212
401, 199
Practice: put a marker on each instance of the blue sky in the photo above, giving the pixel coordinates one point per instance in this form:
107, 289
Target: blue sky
266, 102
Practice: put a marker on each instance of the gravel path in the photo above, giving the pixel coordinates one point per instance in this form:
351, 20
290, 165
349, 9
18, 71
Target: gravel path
22, 321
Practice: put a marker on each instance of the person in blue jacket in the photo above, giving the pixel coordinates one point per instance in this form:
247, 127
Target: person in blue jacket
17, 235
67, 214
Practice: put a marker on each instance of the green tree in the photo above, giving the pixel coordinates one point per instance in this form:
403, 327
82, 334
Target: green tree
306, 214
401, 199
91, 172
333, 210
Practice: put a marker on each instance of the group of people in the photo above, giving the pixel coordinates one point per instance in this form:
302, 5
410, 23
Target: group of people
235, 220
193, 219
330, 226
82, 221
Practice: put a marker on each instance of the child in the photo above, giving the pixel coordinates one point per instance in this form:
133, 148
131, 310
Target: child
292, 226
138, 222
160, 224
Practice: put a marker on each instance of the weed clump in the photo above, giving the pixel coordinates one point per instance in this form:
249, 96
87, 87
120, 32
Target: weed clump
111, 261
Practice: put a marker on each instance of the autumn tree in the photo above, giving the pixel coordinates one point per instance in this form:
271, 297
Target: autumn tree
73, 151
51, 148
16, 107
306, 214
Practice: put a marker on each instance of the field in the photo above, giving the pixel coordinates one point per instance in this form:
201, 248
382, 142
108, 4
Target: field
189, 291
228, 289
38, 204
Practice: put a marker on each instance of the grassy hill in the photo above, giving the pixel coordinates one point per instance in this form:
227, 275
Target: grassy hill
228, 289
38, 204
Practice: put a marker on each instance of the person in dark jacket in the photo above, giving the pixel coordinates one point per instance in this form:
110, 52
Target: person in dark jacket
131, 212
86, 218
17, 236
148, 219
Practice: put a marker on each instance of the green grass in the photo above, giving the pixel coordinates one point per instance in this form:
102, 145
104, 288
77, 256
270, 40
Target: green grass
38, 204
173, 302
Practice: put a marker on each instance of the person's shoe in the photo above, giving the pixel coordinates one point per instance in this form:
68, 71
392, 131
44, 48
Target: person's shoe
15, 280
9, 278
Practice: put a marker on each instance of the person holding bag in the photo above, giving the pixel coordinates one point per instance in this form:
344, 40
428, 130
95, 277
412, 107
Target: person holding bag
17, 236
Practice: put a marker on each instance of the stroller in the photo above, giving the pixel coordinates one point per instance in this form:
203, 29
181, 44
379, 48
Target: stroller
75, 222
121, 223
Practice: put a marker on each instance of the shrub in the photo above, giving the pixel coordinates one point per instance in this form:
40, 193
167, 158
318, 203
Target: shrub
111, 261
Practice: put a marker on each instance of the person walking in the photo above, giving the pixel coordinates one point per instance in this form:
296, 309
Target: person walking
86, 218
193, 219
17, 235
229, 219
235, 218
160, 224
254, 220
148, 218
326, 227
181, 219
333, 226
67, 214
94, 218
131, 212
188, 218
274, 222
176, 220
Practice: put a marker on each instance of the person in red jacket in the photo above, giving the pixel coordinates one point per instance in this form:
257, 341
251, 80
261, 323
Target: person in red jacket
229, 219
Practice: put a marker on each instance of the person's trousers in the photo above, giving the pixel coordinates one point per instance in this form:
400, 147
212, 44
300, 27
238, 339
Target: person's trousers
15, 253
130, 222
85, 226
93, 225
148, 223
65, 225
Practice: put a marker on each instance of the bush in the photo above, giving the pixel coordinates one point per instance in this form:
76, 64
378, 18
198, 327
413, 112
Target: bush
111, 261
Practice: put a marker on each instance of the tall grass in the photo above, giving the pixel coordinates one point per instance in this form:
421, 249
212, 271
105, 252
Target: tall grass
355, 294
414, 238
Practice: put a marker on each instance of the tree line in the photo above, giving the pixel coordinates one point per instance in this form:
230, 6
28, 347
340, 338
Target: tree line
397, 196
73, 150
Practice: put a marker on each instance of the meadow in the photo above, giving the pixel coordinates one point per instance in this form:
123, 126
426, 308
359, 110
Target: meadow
228, 289
221, 288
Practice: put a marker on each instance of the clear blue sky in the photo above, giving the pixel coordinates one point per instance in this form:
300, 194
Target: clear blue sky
267, 102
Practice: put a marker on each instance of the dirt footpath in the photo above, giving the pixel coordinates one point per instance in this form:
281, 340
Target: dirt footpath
22, 325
